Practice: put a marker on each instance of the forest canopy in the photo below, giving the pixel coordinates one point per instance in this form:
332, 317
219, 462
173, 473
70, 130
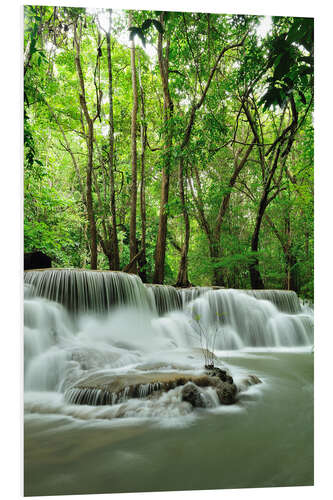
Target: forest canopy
178, 146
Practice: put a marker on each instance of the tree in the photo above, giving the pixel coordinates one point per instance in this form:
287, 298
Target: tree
133, 244
90, 140
195, 166
168, 108
113, 248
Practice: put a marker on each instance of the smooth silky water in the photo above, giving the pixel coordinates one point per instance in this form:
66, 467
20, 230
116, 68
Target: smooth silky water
104, 324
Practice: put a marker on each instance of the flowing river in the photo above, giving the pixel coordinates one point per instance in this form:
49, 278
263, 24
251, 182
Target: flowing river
83, 328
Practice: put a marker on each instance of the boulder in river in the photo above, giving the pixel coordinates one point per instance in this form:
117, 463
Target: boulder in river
192, 395
102, 388
245, 383
226, 393
105, 389
214, 371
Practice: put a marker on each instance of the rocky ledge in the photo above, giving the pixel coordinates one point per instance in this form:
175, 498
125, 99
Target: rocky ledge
103, 389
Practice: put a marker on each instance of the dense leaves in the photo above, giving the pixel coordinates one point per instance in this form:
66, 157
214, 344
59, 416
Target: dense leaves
290, 60
235, 143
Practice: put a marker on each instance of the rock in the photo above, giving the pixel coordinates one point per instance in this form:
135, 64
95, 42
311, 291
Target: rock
213, 371
36, 260
226, 393
105, 389
254, 379
247, 382
192, 395
102, 388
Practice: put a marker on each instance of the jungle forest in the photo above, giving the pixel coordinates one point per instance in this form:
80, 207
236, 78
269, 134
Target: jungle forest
173, 145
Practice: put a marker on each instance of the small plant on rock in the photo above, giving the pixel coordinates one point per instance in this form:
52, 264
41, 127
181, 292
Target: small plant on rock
207, 338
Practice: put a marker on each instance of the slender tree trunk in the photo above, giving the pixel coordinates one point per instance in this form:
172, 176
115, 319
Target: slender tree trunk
143, 136
168, 114
216, 251
268, 178
114, 260
90, 143
90, 208
290, 259
68, 148
214, 234
255, 276
182, 278
215, 254
256, 280
162, 229
291, 281
133, 243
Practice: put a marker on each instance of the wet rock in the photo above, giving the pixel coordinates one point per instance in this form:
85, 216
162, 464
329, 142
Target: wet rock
254, 379
247, 382
192, 395
226, 393
102, 388
106, 389
213, 371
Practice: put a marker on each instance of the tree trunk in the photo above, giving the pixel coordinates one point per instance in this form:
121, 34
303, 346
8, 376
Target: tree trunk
90, 208
256, 280
133, 244
130, 265
182, 278
268, 178
114, 260
215, 254
162, 229
290, 259
216, 248
90, 143
143, 135
291, 272
168, 114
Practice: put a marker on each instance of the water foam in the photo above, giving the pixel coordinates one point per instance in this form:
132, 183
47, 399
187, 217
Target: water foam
120, 326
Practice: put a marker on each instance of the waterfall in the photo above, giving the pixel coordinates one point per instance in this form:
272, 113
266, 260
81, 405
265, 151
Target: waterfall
79, 290
285, 301
106, 324
165, 298
251, 319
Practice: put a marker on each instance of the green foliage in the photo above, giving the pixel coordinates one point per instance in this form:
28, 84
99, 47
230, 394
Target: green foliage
262, 71
290, 60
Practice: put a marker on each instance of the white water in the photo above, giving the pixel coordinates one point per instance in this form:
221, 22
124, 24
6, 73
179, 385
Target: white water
131, 337
109, 325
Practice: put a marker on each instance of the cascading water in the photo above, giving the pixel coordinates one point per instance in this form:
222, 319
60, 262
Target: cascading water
102, 348
78, 323
80, 290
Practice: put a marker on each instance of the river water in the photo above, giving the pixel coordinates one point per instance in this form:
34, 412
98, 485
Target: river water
157, 444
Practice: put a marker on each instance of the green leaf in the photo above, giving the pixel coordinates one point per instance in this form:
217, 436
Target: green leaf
277, 60
282, 67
